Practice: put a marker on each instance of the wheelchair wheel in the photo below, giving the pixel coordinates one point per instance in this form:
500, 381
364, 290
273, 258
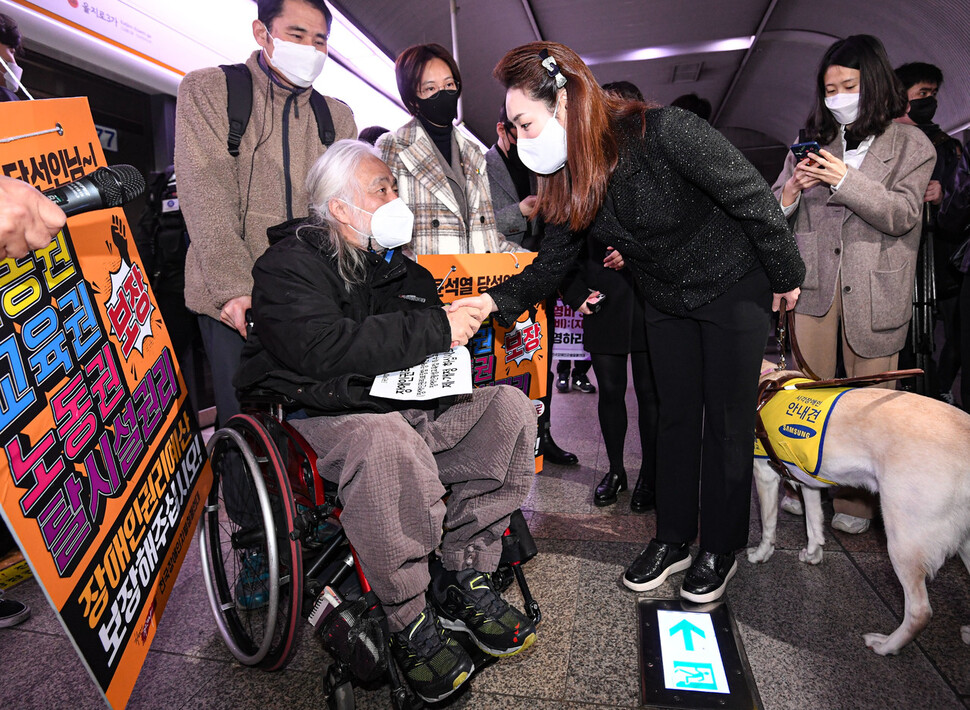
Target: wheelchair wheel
337, 688
253, 571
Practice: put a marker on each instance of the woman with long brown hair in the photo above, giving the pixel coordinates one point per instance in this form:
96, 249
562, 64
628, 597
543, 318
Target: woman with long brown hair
711, 254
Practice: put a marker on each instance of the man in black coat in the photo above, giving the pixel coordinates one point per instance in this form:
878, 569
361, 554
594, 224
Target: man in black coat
335, 304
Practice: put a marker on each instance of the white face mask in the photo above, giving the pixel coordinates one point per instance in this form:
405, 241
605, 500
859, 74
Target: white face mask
301, 64
845, 107
391, 224
13, 82
546, 153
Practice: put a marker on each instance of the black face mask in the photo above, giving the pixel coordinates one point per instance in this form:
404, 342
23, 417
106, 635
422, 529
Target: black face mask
440, 108
921, 111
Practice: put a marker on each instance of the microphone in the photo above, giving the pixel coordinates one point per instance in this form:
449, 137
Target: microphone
102, 189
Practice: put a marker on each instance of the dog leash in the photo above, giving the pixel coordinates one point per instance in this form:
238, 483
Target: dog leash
768, 389
786, 326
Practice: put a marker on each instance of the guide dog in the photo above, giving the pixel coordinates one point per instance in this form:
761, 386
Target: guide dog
915, 452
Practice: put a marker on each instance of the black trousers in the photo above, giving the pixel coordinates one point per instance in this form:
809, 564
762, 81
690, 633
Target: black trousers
706, 367
223, 347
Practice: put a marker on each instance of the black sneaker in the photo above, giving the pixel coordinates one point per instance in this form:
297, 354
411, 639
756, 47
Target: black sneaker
434, 664
582, 383
468, 602
707, 578
12, 613
562, 383
657, 562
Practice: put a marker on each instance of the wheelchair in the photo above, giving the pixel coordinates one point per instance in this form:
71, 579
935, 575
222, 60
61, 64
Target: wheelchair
268, 503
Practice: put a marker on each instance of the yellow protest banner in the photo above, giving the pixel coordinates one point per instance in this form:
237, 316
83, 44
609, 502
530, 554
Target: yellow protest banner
516, 356
103, 470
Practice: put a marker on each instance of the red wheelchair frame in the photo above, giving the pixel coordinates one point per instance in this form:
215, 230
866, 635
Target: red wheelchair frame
274, 477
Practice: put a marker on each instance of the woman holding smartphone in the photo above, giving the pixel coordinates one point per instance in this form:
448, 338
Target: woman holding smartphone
708, 246
857, 204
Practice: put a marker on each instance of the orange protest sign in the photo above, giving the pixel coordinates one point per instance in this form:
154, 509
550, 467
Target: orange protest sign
103, 471
516, 356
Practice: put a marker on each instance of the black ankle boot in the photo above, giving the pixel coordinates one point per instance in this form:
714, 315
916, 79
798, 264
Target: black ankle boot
643, 498
606, 491
553, 454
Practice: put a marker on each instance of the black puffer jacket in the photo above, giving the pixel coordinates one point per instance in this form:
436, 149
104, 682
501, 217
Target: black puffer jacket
320, 344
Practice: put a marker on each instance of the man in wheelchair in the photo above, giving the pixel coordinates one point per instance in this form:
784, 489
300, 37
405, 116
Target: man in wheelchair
336, 303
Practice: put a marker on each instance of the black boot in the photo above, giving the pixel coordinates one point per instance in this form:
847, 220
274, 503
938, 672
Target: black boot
552, 453
606, 491
643, 498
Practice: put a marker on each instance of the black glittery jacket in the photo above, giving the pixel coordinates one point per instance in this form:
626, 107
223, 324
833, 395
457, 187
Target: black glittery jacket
689, 213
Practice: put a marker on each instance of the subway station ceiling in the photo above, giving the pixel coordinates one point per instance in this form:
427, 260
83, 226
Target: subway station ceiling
754, 60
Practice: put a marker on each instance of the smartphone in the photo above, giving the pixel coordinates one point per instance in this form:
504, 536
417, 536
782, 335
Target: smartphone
596, 305
801, 150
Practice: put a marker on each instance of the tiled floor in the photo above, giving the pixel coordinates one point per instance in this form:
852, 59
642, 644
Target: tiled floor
801, 625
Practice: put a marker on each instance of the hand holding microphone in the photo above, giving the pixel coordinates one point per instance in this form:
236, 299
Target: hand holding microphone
28, 220
102, 189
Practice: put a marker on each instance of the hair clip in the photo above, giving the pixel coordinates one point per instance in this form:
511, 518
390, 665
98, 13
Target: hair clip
550, 65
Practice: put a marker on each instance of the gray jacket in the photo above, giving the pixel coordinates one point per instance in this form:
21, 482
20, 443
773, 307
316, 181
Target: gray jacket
505, 200
868, 232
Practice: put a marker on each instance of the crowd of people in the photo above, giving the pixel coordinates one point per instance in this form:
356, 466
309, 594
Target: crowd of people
313, 232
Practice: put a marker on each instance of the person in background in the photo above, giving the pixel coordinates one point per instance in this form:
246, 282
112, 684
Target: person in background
229, 202
707, 245
328, 317
28, 221
922, 82
10, 40
954, 216
372, 133
861, 265
440, 173
511, 185
695, 104
615, 334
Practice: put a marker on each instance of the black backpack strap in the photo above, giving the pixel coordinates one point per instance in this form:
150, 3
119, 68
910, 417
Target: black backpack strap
318, 103
239, 106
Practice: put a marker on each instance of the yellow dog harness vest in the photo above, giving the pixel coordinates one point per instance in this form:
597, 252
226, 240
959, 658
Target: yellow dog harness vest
795, 421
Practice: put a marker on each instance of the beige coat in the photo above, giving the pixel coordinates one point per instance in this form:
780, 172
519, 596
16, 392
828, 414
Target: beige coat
868, 231
438, 224
228, 203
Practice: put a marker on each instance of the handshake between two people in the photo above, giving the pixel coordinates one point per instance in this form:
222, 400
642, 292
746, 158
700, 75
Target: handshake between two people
466, 316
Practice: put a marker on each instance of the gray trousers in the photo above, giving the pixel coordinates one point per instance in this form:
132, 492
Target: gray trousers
393, 469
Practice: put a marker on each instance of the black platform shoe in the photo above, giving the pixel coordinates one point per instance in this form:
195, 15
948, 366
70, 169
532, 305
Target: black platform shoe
643, 498
657, 562
553, 454
606, 491
707, 578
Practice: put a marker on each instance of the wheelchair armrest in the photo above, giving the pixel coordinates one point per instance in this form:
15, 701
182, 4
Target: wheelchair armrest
260, 399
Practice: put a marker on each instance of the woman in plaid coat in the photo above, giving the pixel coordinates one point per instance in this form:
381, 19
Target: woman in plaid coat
440, 173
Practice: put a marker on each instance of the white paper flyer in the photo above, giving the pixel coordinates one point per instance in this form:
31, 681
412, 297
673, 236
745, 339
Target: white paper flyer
441, 375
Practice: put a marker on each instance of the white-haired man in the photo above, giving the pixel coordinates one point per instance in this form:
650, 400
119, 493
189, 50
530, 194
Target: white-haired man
335, 303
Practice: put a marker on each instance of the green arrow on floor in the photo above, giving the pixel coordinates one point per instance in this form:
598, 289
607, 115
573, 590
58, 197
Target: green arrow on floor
686, 628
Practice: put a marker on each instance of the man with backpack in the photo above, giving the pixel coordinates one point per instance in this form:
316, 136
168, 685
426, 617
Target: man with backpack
245, 138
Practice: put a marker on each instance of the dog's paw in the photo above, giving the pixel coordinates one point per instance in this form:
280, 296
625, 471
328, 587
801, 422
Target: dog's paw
878, 643
761, 553
965, 634
812, 557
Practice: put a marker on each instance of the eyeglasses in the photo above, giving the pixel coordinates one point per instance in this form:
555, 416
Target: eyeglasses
429, 90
